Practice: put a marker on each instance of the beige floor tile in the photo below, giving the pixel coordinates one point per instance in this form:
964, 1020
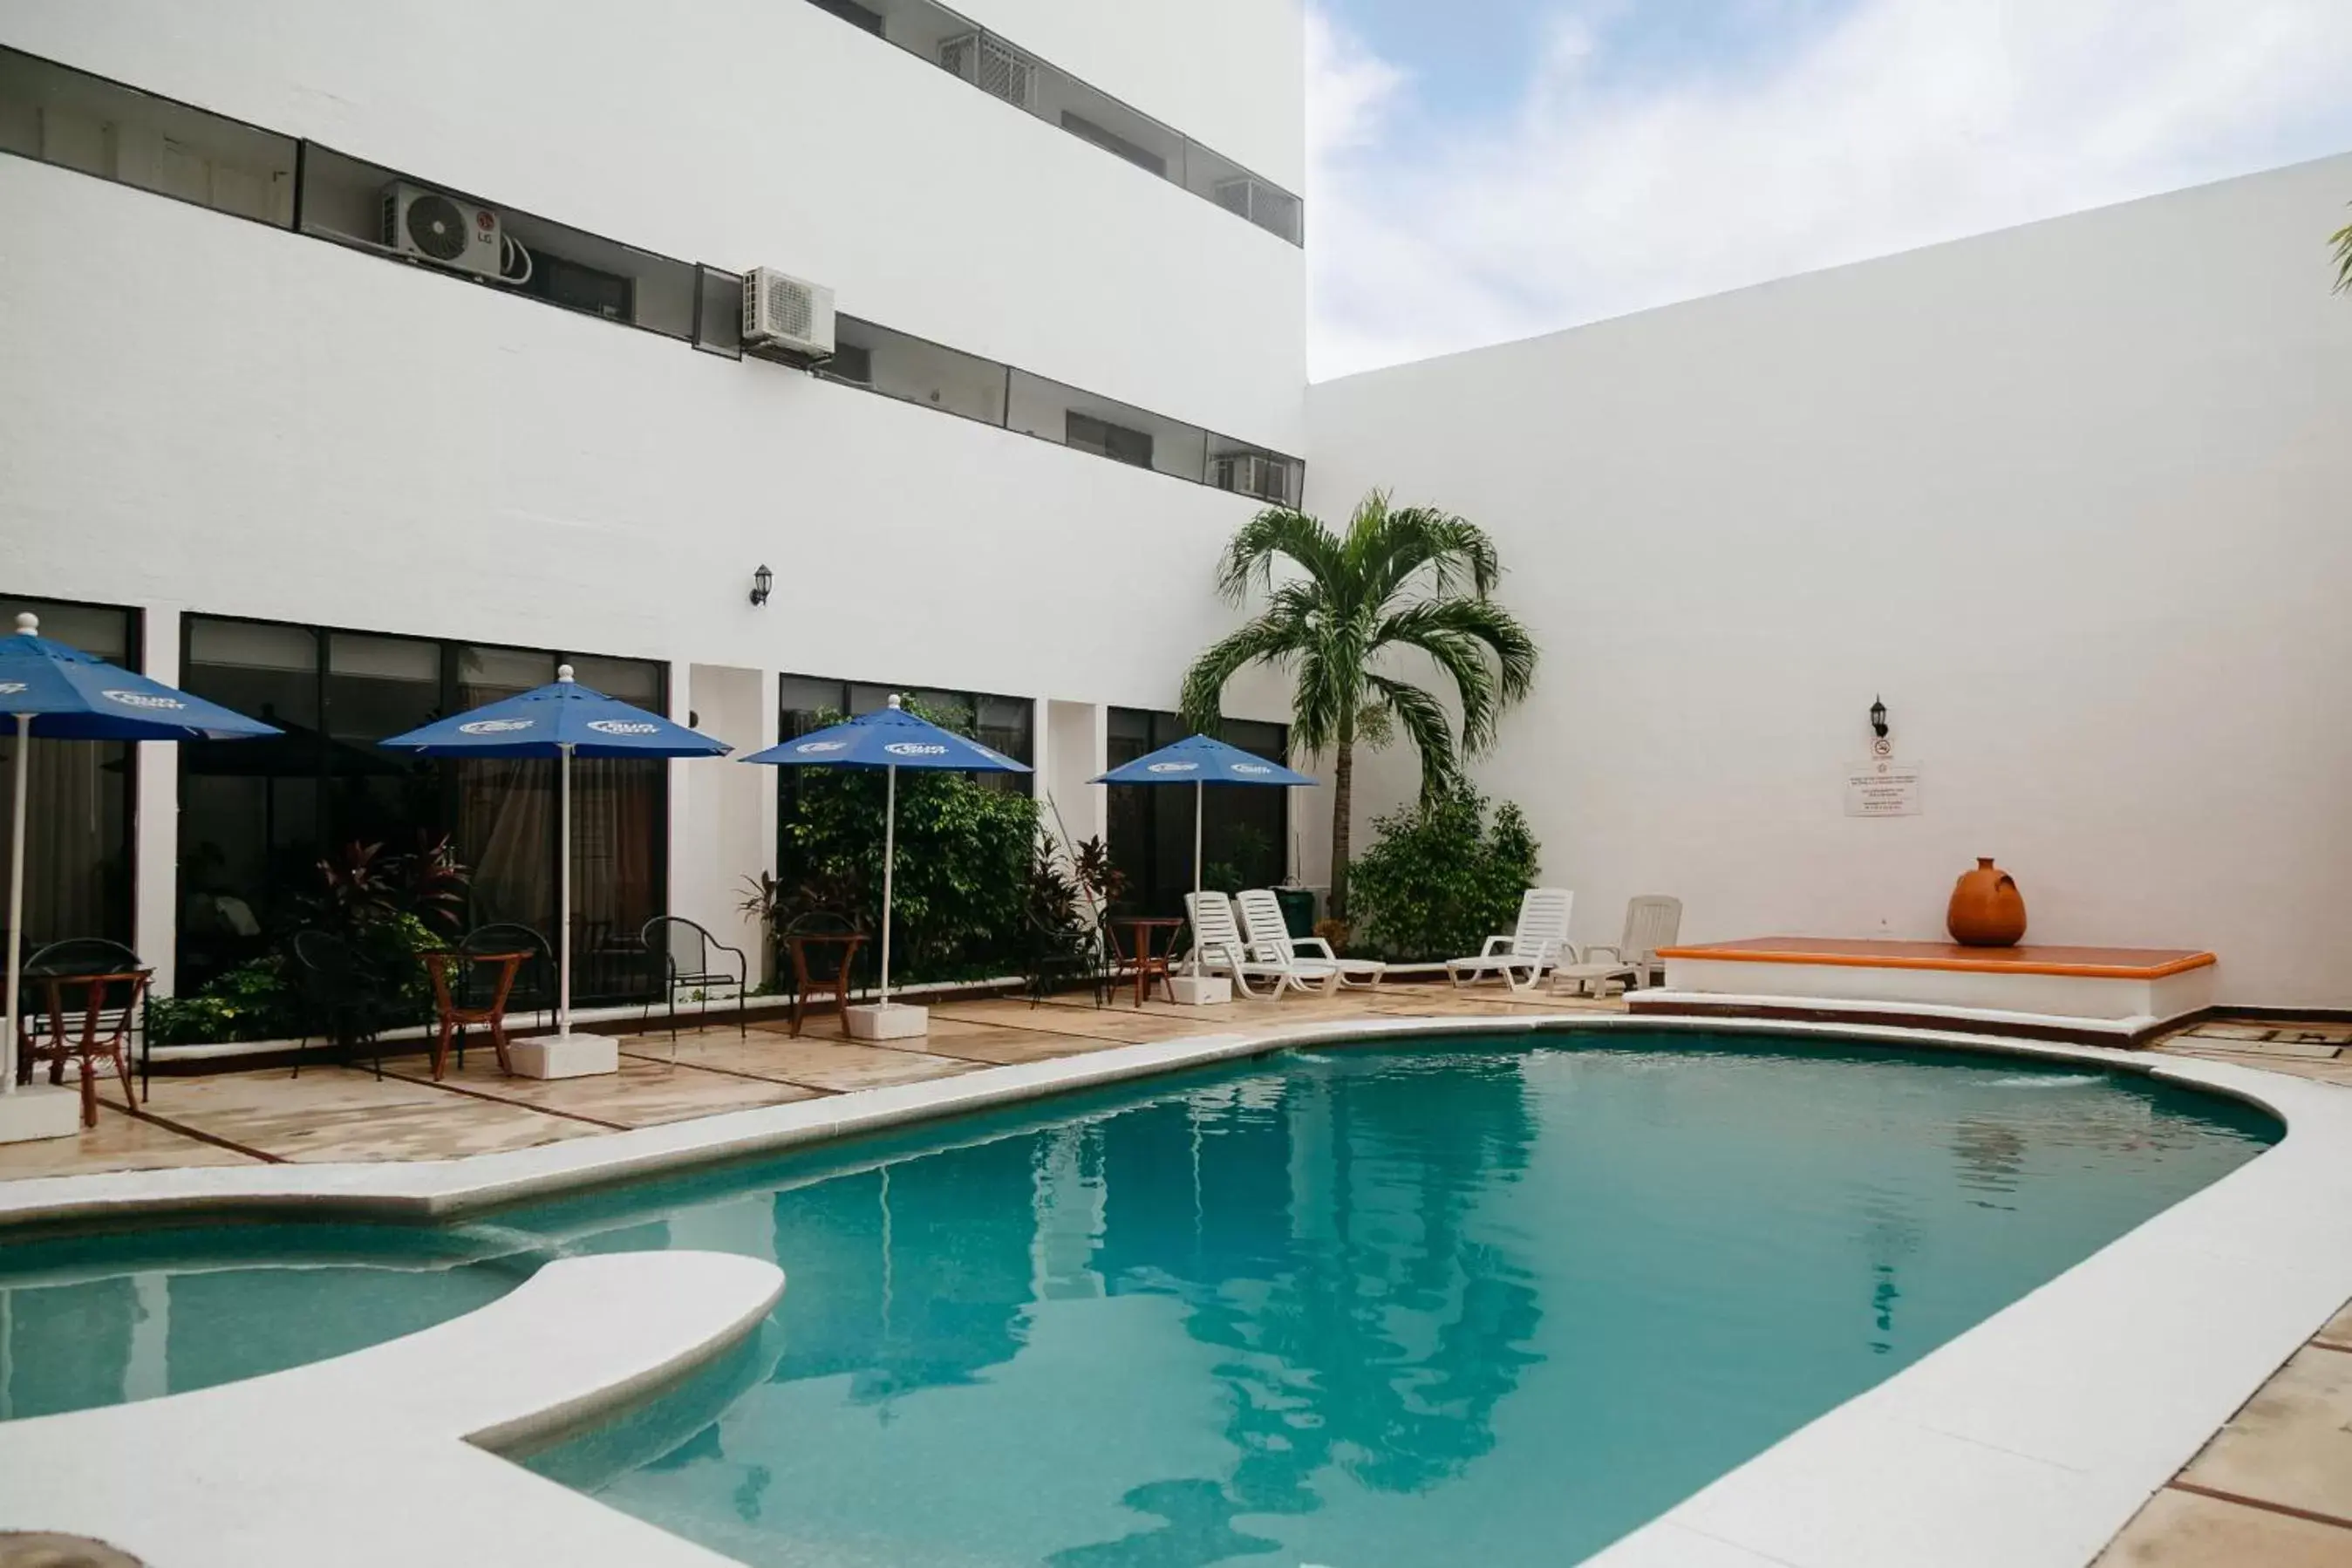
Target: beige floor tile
118, 1142
1002, 1046
346, 1113
809, 1062
2181, 1529
1123, 1024
2292, 1443
648, 1090
2339, 1328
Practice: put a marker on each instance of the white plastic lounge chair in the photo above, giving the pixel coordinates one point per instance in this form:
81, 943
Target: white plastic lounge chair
1538, 942
1270, 941
1218, 947
1652, 922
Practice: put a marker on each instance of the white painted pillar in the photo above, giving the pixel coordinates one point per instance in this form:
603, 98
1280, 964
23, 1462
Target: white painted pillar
678, 872
155, 814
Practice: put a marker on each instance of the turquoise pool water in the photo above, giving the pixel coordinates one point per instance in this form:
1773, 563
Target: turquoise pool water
1494, 1300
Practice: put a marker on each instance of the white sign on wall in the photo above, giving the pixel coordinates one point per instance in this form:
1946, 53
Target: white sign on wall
1883, 787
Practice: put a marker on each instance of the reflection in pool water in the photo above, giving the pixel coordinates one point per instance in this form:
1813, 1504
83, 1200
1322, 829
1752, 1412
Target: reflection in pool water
1488, 1301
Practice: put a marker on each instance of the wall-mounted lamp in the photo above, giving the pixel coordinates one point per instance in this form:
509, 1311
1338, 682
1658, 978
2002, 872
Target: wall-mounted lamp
1878, 716
761, 581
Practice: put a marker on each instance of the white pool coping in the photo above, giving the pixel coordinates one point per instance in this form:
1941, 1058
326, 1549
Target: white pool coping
2027, 1441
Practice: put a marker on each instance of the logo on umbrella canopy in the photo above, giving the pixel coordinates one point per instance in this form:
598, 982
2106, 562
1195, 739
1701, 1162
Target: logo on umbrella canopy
621, 726
1252, 768
915, 749
1175, 767
821, 746
10, 688
142, 700
495, 726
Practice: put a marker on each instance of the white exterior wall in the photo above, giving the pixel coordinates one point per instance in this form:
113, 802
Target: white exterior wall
2073, 498
210, 416
765, 132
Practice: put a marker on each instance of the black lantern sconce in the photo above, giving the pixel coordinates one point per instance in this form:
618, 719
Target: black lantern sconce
1878, 716
761, 581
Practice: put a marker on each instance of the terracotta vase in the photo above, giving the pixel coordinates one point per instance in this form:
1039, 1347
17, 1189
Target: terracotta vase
1987, 909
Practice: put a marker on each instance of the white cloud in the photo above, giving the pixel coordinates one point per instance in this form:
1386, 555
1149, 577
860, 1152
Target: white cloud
1906, 123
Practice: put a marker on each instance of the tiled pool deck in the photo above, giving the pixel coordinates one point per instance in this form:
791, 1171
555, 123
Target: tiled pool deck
2273, 1488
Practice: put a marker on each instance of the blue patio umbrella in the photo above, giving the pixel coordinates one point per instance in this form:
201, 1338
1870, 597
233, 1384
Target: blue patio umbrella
561, 721
889, 739
1199, 761
53, 692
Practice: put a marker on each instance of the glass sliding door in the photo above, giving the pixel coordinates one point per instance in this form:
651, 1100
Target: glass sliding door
257, 817
79, 797
1244, 831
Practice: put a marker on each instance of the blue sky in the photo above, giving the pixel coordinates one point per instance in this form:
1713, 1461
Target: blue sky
1524, 166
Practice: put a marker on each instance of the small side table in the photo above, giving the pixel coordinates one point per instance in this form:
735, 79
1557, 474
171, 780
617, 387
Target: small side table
835, 984
1138, 948
455, 1019
78, 1031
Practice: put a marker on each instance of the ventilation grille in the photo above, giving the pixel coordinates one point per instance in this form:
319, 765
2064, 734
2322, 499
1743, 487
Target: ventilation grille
1254, 474
992, 66
788, 308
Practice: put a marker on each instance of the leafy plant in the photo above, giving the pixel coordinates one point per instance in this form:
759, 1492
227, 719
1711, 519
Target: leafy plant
1245, 850
965, 854
1396, 578
251, 1002
2342, 240
429, 882
1439, 879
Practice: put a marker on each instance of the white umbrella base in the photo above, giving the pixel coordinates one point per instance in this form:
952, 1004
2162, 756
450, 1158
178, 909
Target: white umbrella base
39, 1110
872, 1021
1199, 989
565, 1056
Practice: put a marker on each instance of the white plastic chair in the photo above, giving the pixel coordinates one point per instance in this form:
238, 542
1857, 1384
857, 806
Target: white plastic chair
1218, 947
1535, 944
1270, 941
1652, 920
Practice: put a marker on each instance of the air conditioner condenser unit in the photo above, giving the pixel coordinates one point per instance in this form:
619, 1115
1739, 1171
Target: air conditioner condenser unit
448, 231
788, 315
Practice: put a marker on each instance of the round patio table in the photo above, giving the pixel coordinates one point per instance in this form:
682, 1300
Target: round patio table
457, 1018
835, 984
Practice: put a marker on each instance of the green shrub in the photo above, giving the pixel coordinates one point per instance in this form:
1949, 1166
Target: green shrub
965, 853
1439, 879
252, 1002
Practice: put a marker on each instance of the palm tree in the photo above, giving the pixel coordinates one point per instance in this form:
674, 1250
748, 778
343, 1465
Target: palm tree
2342, 240
1399, 577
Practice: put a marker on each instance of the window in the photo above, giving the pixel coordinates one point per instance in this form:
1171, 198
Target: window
79, 798
1244, 831
1003, 71
1086, 130
257, 817
55, 114
854, 13
369, 206
1089, 433
915, 370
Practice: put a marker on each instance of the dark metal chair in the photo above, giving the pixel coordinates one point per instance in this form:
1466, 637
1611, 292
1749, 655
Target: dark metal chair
70, 988
687, 954
340, 997
534, 984
1067, 955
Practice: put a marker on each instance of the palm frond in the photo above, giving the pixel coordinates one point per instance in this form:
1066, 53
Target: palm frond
1274, 534
2342, 240
1423, 719
1273, 637
1481, 645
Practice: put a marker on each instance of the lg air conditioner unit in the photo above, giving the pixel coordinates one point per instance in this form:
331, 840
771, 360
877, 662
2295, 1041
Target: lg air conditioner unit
787, 315
992, 66
1265, 205
1254, 474
448, 231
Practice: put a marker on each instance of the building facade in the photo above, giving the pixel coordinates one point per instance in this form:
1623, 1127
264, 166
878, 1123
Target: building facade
266, 446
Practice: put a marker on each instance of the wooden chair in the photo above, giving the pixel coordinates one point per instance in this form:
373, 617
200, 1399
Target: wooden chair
92, 989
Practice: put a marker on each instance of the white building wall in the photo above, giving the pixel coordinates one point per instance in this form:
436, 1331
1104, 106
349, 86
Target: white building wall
205, 414
2073, 498
766, 132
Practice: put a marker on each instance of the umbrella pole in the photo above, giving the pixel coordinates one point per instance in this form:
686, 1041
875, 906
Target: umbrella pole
16, 900
563, 896
890, 863
1199, 789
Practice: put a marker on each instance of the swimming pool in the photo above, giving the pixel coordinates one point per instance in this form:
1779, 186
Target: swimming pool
1499, 1299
